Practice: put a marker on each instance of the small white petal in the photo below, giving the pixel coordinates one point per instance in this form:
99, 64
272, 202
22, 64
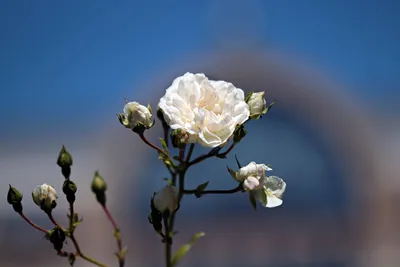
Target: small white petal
273, 201
251, 183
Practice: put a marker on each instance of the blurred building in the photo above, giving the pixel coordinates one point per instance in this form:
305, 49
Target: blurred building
338, 156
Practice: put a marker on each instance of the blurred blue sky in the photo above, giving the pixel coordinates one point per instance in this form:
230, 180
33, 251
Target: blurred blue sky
71, 61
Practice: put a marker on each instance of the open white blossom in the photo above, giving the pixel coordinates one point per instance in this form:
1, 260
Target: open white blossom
166, 199
271, 194
45, 196
135, 113
252, 175
207, 110
268, 190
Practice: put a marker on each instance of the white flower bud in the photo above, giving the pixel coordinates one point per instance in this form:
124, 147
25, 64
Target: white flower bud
252, 175
257, 104
166, 199
45, 196
135, 114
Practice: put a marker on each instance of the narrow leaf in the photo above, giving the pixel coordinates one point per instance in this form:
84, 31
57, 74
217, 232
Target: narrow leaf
232, 173
185, 248
200, 189
253, 201
163, 143
237, 162
268, 108
247, 98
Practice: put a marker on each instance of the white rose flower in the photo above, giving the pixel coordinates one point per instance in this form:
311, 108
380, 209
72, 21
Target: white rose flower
135, 114
268, 190
207, 110
252, 175
257, 104
45, 196
270, 195
166, 199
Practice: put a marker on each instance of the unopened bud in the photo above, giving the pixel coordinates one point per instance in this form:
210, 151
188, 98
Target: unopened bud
136, 117
65, 162
14, 198
179, 138
257, 104
69, 188
166, 200
57, 237
45, 196
99, 188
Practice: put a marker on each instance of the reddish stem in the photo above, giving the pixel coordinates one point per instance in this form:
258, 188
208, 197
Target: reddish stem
32, 224
117, 234
147, 142
54, 221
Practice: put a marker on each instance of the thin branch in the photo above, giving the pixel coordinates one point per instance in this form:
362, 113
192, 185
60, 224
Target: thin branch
75, 242
147, 142
32, 224
223, 155
189, 155
231, 191
117, 235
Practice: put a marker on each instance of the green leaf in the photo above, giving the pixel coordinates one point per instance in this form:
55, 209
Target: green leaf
237, 162
248, 96
268, 108
239, 133
165, 159
122, 254
185, 248
149, 108
200, 189
232, 173
253, 201
163, 143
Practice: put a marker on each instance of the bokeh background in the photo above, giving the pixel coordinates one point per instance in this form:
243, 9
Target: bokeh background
332, 66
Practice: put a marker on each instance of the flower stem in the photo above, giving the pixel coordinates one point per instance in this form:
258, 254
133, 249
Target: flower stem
31, 223
121, 258
231, 191
189, 155
227, 151
212, 153
170, 225
168, 243
54, 221
147, 142
73, 239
